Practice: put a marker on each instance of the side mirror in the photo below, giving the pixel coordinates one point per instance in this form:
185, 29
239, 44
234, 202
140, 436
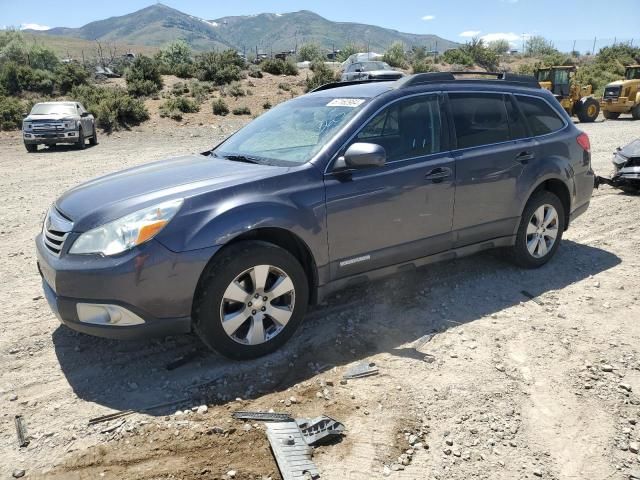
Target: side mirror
25, 114
362, 155
358, 70
84, 114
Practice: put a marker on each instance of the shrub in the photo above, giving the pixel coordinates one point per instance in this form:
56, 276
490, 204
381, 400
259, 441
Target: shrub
347, 51
69, 75
500, 47
220, 107
254, 72
39, 81
267, 105
176, 59
10, 78
143, 77
199, 90
310, 52
457, 56
219, 67
11, 112
395, 55
423, 66
279, 67
113, 107
179, 88
241, 111
235, 90
321, 75
480, 54
537, 46
284, 86
175, 107
43, 58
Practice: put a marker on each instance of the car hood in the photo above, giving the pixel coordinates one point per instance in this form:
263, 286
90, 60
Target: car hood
382, 73
110, 197
48, 116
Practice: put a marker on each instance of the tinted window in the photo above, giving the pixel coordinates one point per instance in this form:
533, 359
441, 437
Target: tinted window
517, 123
479, 119
541, 117
408, 128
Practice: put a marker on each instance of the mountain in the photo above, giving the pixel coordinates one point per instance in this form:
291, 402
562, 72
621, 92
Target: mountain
158, 25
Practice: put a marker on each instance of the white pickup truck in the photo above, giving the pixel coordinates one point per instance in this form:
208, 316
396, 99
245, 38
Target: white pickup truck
50, 123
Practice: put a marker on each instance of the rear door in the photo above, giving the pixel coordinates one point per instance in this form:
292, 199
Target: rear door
491, 152
403, 210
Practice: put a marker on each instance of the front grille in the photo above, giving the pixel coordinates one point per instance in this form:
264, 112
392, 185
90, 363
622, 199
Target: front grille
55, 231
611, 93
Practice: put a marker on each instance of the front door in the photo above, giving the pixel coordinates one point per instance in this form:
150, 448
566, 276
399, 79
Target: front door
380, 216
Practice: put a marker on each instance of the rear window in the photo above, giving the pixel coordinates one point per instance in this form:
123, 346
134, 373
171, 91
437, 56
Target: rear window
479, 119
541, 117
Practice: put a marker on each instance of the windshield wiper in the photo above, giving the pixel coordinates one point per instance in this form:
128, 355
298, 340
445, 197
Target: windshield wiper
241, 158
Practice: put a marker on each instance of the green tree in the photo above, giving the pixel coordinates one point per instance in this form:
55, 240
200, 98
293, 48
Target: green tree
43, 58
12, 47
537, 46
481, 55
395, 55
219, 67
143, 77
457, 56
500, 47
347, 51
69, 75
177, 59
321, 74
310, 52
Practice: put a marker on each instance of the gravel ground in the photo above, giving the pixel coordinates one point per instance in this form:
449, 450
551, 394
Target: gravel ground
476, 379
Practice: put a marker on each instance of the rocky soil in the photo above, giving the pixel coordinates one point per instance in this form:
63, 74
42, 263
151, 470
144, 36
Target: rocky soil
477, 379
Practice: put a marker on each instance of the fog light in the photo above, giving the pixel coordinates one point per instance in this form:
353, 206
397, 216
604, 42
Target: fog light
100, 314
27, 135
72, 134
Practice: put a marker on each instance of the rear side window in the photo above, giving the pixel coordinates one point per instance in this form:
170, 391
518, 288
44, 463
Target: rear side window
479, 118
541, 117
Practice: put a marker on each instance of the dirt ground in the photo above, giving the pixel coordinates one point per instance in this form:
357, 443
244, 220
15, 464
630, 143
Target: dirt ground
476, 379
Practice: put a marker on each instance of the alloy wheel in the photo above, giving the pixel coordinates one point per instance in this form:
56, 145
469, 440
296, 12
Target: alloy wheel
542, 231
257, 305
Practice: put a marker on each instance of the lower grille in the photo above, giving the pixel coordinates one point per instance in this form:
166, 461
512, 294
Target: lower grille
55, 231
611, 93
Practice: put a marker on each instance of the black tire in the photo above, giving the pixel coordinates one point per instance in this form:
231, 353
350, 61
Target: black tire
519, 252
31, 147
635, 112
610, 115
93, 141
219, 275
589, 110
81, 142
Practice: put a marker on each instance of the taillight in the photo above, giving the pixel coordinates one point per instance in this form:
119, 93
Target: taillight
583, 141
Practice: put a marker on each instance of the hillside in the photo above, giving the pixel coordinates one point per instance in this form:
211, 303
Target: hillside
158, 25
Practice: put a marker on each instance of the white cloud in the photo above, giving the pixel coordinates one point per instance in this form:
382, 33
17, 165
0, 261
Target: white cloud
469, 33
428, 17
34, 26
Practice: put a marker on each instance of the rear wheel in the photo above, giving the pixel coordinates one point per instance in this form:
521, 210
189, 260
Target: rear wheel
251, 300
635, 112
81, 143
610, 115
589, 110
540, 230
31, 147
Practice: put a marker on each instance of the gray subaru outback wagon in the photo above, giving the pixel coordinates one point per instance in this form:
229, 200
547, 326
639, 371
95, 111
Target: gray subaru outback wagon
345, 183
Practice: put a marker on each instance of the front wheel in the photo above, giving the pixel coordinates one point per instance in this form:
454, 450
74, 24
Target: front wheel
94, 138
589, 110
81, 143
31, 147
635, 112
540, 231
251, 300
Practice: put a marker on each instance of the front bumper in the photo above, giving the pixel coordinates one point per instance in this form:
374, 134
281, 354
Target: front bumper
617, 105
149, 282
48, 138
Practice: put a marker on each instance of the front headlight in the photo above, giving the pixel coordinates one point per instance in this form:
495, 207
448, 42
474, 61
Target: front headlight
27, 126
127, 232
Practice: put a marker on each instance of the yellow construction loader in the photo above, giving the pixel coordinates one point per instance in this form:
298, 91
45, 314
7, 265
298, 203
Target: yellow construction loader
623, 96
576, 99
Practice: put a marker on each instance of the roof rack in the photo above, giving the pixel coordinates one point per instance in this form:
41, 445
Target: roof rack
440, 77
328, 86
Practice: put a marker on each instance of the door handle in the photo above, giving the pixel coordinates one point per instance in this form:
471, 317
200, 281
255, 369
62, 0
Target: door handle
524, 157
438, 174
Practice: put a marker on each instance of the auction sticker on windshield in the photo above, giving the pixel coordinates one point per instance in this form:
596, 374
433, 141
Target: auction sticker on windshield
345, 102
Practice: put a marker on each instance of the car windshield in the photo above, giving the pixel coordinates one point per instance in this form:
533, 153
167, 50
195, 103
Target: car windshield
53, 109
371, 66
292, 132
543, 75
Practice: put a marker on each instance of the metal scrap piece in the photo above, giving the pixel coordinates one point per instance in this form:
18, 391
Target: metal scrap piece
319, 430
21, 431
262, 416
360, 370
291, 451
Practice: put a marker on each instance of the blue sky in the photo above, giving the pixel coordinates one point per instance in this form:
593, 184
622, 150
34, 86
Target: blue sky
451, 19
